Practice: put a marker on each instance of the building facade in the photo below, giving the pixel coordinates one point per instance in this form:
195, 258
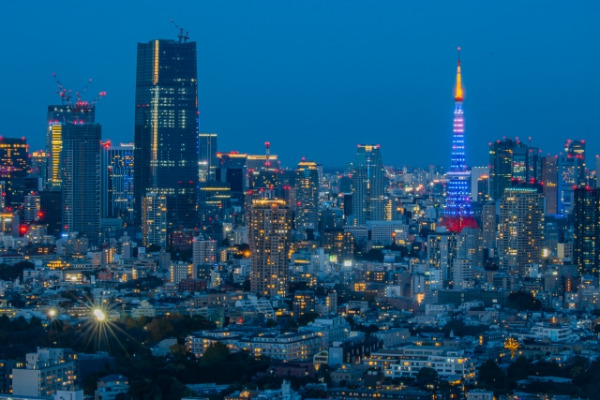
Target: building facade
269, 229
80, 176
166, 127
307, 195
368, 185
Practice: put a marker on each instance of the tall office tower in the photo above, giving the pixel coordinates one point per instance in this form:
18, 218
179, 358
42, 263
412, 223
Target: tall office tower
154, 220
269, 229
80, 176
307, 195
232, 171
117, 181
500, 166
58, 117
586, 232
512, 161
534, 164
14, 167
571, 174
520, 229
39, 166
166, 127
368, 185
476, 174
488, 225
207, 157
550, 182
458, 213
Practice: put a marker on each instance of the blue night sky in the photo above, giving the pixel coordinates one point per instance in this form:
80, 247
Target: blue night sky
317, 77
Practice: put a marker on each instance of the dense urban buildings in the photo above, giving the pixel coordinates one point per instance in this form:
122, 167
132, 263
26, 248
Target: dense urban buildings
166, 266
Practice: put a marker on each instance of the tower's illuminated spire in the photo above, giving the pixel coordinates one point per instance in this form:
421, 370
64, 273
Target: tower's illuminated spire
458, 91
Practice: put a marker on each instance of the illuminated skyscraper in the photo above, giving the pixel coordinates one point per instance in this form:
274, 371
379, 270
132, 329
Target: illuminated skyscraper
307, 195
154, 220
269, 229
117, 181
520, 229
14, 167
571, 174
512, 161
58, 117
368, 185
586, 230
166, 127
80, 175
458, 214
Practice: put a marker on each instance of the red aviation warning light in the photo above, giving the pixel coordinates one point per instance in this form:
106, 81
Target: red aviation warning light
23, 230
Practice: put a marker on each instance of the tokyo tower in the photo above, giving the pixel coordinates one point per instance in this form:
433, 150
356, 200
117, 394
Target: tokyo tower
458, 214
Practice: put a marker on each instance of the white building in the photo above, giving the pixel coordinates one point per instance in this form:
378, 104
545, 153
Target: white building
408, 361
46, 372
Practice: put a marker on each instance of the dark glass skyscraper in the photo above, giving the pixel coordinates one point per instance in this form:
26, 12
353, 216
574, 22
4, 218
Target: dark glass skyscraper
586, 230
80, 173
307, 195
368, 185
166, 127
207, 157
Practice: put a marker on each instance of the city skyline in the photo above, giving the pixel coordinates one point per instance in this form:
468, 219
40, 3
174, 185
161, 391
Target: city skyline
331, 74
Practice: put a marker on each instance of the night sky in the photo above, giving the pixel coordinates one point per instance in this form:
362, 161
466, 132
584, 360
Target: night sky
315, 78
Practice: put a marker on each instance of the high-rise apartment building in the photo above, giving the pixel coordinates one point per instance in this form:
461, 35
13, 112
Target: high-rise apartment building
154, 220
207, 157
117, 181
166, 127
550, 182
80, 175
269, 229
307, 195
520, 229
586, 230
571, 174
368, 185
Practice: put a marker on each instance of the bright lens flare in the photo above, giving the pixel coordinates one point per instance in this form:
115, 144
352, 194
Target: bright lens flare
52, 313
99, 314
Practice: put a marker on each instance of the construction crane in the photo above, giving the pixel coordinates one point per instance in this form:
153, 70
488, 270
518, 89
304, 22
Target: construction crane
80, 93
66, 94
181, 36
